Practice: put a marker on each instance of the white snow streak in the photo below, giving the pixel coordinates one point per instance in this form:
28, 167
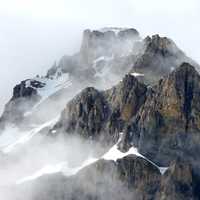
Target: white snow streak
61, 167
136, 74
28, 135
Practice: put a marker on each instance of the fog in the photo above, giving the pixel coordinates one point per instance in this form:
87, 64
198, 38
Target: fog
35, 33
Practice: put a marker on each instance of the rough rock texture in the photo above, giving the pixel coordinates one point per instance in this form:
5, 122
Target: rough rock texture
163, 121
86, 114
167, 125
102, 115
24, 97
178, 183
125, 100
158, 58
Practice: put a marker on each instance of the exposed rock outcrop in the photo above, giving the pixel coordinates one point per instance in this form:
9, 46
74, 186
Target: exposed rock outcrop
102, 115
86, 114
178, 183
167, 125
159, 56
24, 97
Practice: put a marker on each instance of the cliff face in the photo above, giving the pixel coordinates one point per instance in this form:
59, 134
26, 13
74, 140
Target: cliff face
168, 122
101, 115
24, 97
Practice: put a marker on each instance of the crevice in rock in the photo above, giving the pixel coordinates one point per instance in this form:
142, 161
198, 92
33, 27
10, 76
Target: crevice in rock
188, 96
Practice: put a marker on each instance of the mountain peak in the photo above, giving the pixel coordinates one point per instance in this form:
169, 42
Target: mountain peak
187, 68
107, 42
162, 45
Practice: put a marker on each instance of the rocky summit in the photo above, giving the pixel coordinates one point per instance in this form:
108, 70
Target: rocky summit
118, 120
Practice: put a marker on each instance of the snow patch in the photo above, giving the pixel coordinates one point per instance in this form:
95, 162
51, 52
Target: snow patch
50, 86
114, 153
163, 170
137, 74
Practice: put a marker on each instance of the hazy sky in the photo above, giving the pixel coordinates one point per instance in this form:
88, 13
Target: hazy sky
35, 33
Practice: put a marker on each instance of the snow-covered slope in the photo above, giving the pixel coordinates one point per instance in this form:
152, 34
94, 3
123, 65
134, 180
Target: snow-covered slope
49, 87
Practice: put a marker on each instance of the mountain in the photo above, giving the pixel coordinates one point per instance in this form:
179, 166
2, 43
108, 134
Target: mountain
120, 119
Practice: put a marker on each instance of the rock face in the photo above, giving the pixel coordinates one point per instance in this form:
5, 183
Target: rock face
102, 115
141, 176
24, 97
168, 122
163, 121
125, 100
86, 114
159, 56
178, 183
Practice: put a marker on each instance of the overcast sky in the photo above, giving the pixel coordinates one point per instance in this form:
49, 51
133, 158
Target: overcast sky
35, 33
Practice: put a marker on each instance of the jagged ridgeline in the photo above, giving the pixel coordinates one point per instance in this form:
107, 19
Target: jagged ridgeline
138, 98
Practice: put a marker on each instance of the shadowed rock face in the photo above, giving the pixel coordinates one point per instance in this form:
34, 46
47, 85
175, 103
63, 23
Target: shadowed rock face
24, 97
102, 115
23, 91
127, 97
178, 183
86, 114
167, 125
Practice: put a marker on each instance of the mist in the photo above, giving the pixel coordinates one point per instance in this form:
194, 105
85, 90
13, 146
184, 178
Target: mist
34, 34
